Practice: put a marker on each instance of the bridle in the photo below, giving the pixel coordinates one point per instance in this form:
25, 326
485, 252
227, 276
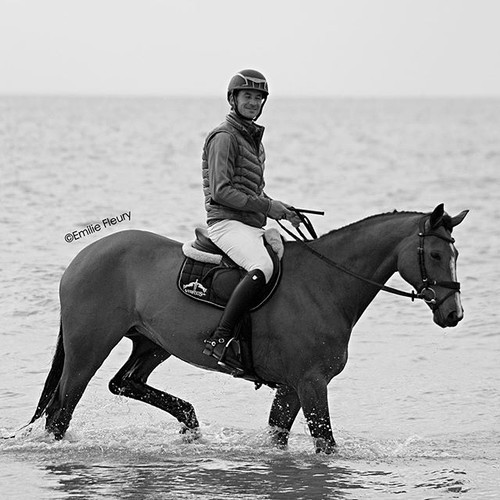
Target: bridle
425, 291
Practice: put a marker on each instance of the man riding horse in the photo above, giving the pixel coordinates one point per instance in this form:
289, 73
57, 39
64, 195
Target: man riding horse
236, 205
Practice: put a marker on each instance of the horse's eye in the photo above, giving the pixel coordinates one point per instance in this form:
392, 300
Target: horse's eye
436, 256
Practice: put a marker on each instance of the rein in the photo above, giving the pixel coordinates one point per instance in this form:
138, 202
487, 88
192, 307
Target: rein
304, 220
426, 293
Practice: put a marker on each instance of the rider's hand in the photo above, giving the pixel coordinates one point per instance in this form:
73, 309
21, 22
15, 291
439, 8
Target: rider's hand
293, 218
280, 210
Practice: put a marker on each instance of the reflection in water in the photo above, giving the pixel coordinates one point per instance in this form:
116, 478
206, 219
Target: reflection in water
215, 478
212, 478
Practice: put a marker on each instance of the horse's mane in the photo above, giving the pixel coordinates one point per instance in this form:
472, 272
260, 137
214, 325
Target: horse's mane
446, 221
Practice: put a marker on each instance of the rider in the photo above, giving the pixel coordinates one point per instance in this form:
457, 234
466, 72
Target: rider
236, 205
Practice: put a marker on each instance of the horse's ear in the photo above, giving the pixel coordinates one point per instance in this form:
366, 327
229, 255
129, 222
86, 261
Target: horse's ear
455, 221
437, 216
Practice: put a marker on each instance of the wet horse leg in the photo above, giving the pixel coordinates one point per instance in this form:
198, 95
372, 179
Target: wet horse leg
131, 380
80, 364
284, 410
314, 400
63, 403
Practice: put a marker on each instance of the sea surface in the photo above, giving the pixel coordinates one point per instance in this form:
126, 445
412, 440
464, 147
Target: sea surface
416, 412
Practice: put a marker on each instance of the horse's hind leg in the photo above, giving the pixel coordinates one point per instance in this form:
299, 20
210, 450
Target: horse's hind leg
284, 410
81, 361
131, 380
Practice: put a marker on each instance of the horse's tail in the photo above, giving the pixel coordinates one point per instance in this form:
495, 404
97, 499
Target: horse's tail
52, 378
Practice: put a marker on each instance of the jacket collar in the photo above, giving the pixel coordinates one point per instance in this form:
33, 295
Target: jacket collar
255, 131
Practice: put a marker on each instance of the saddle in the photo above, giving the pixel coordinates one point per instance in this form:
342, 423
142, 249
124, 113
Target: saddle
208, 275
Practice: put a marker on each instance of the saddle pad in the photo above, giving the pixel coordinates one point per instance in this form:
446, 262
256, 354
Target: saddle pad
214, 283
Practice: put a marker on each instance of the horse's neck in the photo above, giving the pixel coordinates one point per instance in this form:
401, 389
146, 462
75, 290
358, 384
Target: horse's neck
369, 248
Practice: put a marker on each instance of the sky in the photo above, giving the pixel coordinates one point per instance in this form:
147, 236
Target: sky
304, 47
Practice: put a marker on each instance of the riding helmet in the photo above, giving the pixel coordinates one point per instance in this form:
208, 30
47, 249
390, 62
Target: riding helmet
248, 79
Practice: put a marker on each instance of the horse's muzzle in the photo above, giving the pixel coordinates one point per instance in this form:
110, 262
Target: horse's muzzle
447, 320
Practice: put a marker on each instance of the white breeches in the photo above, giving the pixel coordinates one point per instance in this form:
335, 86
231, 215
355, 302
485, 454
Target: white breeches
243, 244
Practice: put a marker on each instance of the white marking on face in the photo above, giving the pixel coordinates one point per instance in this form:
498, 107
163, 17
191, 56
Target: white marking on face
453, 270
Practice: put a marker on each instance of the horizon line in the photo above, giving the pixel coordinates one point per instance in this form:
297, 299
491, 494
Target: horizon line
215, 96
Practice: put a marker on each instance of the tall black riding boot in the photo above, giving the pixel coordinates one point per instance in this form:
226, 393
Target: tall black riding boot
239, 302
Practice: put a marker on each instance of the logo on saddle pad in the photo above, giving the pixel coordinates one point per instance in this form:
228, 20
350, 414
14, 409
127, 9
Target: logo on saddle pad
195, 288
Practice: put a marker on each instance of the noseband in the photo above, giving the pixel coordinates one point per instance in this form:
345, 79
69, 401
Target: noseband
426, 292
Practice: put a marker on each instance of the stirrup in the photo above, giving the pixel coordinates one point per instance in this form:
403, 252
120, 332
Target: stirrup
212, 344
220, 355
236, 369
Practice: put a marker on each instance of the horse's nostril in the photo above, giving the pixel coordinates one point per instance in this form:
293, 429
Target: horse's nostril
453, 319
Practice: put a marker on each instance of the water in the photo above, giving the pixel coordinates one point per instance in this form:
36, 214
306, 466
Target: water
415, 412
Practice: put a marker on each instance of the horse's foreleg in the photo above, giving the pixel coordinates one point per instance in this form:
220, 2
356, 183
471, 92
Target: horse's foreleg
131, 380
284, 410
314, 400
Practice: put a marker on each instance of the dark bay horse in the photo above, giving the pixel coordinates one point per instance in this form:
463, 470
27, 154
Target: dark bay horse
124, 285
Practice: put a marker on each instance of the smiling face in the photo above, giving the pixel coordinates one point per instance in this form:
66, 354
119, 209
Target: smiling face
249, 103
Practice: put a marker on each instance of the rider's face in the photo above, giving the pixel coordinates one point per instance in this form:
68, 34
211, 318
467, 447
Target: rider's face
249, 103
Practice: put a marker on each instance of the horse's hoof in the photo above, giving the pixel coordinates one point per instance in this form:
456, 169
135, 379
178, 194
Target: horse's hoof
190, 435
324, 446
55, 431
279, 437
58, 436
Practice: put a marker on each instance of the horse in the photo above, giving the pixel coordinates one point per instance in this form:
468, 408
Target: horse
124, 285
